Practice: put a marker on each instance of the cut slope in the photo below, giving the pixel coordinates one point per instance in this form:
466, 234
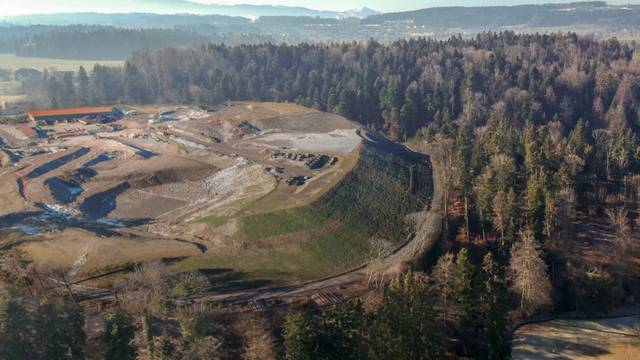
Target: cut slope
334, 233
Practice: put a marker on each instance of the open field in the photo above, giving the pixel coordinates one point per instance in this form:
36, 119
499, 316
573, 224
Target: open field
244, 194
611, 339
13, 62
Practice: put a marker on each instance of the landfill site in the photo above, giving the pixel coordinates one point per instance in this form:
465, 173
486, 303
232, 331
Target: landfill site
250, 193
75, 185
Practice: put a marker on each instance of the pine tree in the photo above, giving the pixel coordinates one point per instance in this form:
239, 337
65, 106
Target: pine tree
494, 309
68, 90
535, 204
465, 297
579, 141
147, 334
15, 329
83, 86
341, 331
410, 108
504, 215
118, 337
59, 332
300, 335
464, 170
404, 326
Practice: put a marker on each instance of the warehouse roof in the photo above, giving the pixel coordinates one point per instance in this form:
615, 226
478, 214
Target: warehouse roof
70, 111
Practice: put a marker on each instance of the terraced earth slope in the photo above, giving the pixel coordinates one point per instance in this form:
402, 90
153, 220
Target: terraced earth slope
250, 194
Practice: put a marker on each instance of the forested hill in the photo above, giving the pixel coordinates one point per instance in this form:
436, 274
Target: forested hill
110, 43
536, 141
492, 17
401, 87
126, 20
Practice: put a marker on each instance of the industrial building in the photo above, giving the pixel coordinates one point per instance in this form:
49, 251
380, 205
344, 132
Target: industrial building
51, 116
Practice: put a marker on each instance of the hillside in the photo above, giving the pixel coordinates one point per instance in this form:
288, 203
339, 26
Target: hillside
595, 13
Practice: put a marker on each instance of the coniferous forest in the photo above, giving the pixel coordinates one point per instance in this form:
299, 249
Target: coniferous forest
536, 137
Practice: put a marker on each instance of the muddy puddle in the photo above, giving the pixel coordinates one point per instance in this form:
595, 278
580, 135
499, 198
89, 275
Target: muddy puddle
52, 218
91, 216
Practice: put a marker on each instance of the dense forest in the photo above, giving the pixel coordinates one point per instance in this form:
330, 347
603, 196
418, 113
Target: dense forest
110, 43
537, 139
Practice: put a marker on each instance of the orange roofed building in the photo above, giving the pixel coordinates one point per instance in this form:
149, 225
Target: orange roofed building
55, 115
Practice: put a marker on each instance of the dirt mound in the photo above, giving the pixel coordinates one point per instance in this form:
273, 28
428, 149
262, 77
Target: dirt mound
336, 141
310, 122
170, 176
250, 111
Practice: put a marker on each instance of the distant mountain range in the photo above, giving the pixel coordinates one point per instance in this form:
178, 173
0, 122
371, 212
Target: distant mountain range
594, 15
190, 7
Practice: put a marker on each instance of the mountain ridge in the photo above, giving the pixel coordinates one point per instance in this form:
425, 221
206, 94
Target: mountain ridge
191, 7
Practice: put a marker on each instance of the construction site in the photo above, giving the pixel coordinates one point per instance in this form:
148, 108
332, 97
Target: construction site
262, 192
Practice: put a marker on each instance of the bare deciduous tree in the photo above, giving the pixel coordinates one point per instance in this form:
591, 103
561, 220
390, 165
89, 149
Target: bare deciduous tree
147, 281
445, 156
619, 219
260, 343
528, 273
443, 280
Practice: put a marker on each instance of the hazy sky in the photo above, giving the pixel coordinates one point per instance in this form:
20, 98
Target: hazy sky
12, 7
394, 5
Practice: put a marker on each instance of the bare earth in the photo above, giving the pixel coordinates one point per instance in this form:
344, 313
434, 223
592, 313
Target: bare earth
167, 178
611, 339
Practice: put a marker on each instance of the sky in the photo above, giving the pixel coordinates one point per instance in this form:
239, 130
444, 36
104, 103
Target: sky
395, 5
14, 7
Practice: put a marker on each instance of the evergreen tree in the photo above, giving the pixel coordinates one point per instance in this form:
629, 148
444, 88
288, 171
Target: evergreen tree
118, 337
15, 329
494, 312
535, 204
580, 140
466, 298
300, 335
464, 171
410, 108
59, 332
341, 332
147, 334
68, 90
83, 86
404, 326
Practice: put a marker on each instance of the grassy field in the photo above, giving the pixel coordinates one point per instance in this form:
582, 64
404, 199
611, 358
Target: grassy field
214, 221
12, 62
324, 253
262, 226
332, 234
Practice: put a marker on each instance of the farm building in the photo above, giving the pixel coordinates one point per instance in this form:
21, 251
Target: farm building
56, 115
